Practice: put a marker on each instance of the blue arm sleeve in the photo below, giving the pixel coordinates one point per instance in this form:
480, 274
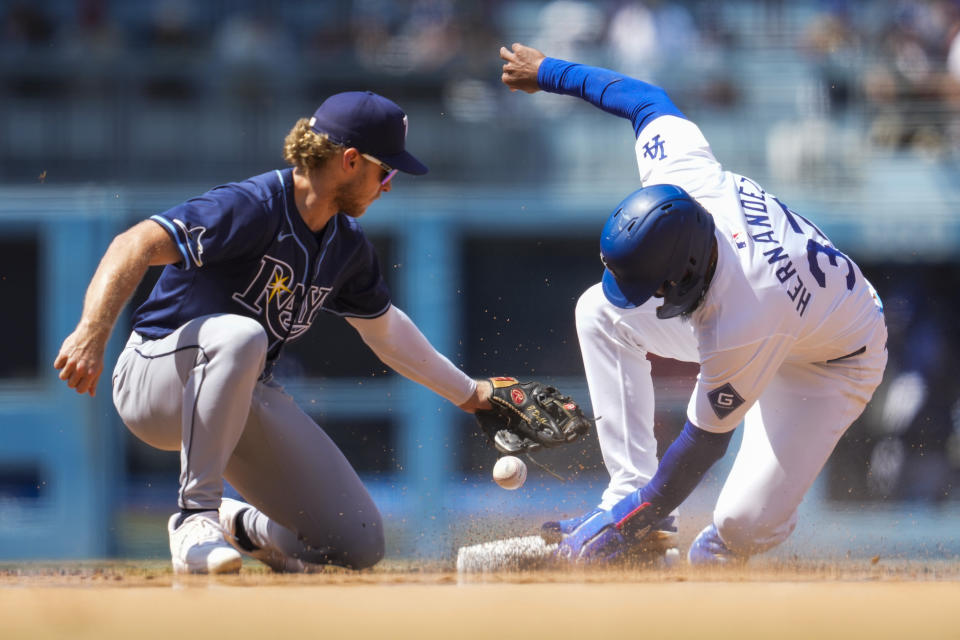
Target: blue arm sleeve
613, 92
682, 467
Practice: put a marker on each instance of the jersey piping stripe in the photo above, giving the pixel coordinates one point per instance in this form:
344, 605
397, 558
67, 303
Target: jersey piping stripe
326, 245
286, 213
331, 234
355, 315
188, 445
172, 230
862, 349
306, 257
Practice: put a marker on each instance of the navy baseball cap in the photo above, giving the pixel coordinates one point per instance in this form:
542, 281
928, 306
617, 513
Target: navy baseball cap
370, 123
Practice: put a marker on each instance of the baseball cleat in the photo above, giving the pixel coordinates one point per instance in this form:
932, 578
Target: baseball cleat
230, 513
661, 542
709, 550
197, 545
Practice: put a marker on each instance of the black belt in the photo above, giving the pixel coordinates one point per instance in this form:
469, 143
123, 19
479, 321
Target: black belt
862, 349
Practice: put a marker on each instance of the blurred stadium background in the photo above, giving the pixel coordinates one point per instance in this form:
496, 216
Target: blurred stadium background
111, 110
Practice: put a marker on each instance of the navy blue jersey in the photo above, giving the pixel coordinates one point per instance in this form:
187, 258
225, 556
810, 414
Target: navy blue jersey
246, 250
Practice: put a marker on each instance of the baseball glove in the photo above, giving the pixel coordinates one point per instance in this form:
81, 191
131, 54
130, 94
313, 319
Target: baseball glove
529, 415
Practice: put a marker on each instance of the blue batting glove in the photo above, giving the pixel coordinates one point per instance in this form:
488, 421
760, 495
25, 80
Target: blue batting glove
607, 535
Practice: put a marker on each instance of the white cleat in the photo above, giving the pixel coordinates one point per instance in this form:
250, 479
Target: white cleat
198, 546
270, 556
671, 558
709, 549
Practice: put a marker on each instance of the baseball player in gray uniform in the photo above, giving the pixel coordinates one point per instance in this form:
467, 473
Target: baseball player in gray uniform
248, 267
704, 265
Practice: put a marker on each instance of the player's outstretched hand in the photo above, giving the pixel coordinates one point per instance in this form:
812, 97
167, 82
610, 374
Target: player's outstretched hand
480, 400
80, 361
521, 67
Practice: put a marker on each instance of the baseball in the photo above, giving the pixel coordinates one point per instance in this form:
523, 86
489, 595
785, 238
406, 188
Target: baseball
510, 472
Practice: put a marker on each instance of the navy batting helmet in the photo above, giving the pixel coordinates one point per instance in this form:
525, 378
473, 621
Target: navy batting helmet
658, 238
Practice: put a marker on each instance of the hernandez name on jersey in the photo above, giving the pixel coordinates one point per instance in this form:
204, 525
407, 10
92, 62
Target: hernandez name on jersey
246, 250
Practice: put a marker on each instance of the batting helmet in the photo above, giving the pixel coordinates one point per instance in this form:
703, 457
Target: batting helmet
657, 238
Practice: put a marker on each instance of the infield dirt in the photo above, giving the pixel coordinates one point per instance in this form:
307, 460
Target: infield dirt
874, 599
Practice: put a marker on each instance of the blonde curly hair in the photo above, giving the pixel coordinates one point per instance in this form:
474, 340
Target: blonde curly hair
306, 149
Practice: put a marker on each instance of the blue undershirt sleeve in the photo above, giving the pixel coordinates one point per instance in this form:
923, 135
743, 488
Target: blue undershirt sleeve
682, 467
635, 100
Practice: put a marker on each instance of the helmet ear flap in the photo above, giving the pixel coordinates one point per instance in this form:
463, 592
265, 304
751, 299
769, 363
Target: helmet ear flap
685, 297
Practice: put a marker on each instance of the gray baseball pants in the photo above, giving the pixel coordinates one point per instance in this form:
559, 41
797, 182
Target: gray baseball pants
197, 391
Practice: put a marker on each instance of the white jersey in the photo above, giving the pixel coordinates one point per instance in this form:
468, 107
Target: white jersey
781, 291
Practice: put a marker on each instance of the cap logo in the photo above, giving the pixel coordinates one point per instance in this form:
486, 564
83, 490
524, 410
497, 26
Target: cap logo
369, 122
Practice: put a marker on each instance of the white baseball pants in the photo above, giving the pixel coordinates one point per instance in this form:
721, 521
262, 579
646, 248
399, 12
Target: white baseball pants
788, 434
197, 391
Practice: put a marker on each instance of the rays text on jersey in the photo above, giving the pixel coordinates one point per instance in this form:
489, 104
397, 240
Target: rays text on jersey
287, 312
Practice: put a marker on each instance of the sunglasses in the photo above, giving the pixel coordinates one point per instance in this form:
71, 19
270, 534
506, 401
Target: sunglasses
387, 170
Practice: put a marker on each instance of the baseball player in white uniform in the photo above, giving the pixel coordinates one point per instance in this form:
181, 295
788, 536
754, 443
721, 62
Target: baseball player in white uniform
248, 265
704, 265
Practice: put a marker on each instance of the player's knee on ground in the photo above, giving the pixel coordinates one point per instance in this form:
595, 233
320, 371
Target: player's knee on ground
750, 533
362, 548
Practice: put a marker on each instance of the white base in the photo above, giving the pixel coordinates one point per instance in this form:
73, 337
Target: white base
512, 554
528, 553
